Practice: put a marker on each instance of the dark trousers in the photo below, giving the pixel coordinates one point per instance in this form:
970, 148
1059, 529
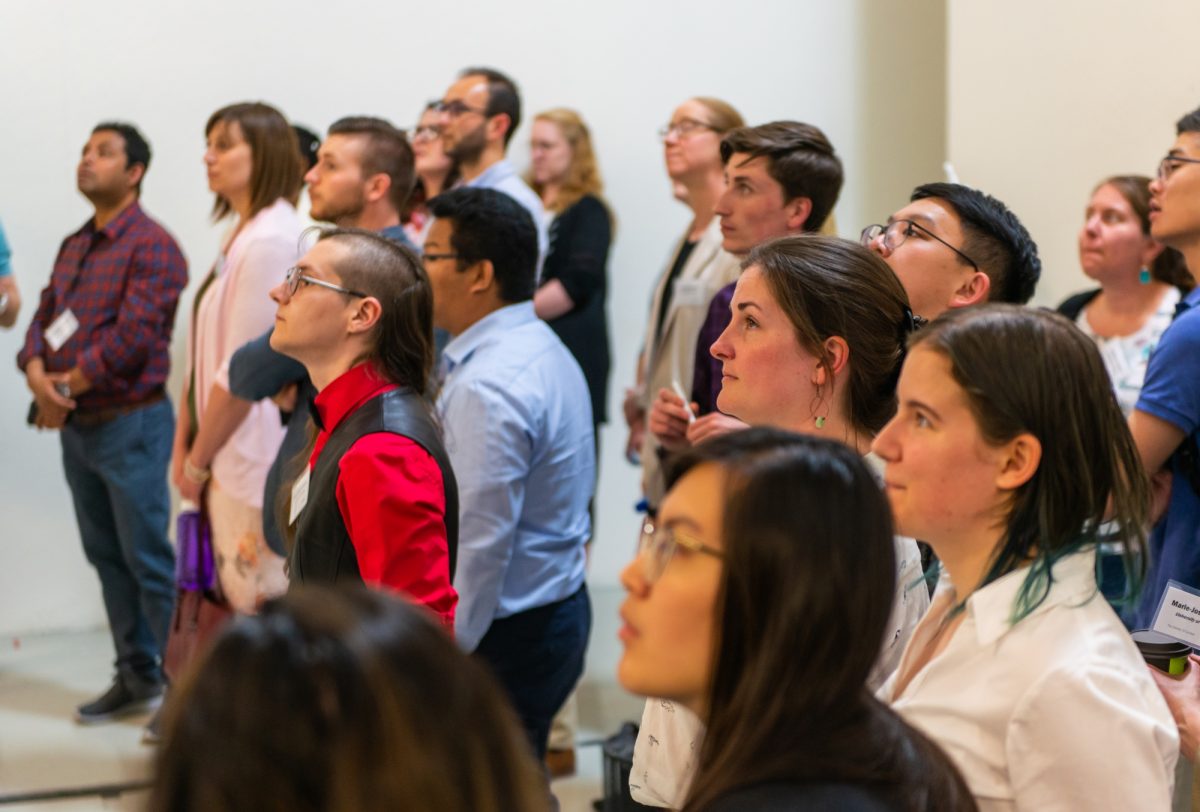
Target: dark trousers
117, 472
538, 657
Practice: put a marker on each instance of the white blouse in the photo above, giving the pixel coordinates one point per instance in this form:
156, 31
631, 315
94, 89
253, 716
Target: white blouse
1054, 712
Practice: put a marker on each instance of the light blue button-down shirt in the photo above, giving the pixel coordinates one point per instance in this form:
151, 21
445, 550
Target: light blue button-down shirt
503, 177
517, 422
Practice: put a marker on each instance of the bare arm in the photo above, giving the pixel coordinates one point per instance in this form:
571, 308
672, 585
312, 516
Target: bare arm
8, 316
551, 300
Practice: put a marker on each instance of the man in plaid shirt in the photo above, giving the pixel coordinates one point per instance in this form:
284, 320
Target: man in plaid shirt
96, 359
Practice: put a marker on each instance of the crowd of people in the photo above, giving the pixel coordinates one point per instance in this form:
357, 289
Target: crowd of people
899, 524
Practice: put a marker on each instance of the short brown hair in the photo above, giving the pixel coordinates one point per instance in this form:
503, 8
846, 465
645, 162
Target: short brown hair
387, 153
724, 116
274, 152
799, 158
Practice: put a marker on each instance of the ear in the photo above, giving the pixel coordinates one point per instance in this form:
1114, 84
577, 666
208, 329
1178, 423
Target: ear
837, 355
798, 209
365, 316
481, 277
1019, 459
135, 174
497, 126
974, 290
377, 187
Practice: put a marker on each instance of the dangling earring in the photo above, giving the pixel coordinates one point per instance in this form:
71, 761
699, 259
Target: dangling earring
820, 421
1144, 276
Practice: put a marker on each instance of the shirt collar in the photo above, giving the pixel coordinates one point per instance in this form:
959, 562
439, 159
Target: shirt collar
500, 171
115, 227
463, 345
346, 393
992, 606
1188, 302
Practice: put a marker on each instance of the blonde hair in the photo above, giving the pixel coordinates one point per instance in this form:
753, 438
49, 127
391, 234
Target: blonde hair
583, 175
725, 116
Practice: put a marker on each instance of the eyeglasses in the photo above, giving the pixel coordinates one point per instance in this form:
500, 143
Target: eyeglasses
426, 133
1168, 165
295, 277
455, 108
897, 231
684, 127
427, 257
657, 545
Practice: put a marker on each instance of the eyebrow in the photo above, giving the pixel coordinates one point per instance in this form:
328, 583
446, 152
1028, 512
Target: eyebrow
920, 218
743, 305
925, 407
675, 521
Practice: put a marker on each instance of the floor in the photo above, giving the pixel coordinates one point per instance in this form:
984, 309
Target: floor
45, 757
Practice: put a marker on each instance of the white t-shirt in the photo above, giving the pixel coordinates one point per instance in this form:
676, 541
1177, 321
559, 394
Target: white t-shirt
1056, 712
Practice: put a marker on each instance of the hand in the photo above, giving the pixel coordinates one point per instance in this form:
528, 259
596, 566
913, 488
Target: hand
635, 412
191, 487
713, 424
1160, 494
669, 420
52, 408
1183, 698
285, 398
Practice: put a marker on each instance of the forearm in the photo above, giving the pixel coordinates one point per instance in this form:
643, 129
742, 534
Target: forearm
8, 315
551, 300
221, 418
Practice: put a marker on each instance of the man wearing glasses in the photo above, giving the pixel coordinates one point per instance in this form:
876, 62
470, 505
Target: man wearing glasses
479, 114
1166, 419
954, 246
377, 501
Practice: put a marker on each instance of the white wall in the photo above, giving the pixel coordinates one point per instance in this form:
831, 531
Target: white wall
1047, 99
871, 74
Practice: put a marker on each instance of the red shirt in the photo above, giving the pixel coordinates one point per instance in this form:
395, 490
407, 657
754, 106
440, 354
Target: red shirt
391, 498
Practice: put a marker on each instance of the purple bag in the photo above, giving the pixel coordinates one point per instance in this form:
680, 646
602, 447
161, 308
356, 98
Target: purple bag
194, 566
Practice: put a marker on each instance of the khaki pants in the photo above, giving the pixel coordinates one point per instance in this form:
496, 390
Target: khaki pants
248, 571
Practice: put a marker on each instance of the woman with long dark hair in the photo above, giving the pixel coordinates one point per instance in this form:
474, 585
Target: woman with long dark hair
342, 701
1008, 454
375, 501
759, 601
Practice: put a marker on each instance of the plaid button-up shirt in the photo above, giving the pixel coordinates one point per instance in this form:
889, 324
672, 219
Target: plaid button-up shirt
122, 282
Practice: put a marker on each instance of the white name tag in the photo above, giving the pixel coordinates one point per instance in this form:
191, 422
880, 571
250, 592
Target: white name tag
1178, 614
61, 330
299, 496
690, 293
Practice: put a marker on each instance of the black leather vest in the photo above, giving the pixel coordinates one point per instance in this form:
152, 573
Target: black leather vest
322, 551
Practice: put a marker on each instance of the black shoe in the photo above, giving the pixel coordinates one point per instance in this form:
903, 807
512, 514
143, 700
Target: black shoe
118, 701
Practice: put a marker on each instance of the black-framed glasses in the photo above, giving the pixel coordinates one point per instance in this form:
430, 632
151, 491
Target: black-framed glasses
295, 276
684, 127
427, 132
897, 231
455, 108
657, 544
1168, 165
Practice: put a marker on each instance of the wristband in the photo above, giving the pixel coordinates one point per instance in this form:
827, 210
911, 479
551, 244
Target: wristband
197, 475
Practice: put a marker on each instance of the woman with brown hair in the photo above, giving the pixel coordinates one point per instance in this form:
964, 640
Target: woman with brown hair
1141, 281
574, 283
436, 172
698, 268
222, 445
342, 701
759, 602
1007, 455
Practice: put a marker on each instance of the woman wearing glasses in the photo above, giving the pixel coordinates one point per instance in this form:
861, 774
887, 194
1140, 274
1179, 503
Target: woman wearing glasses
815, 344
436, 172
1141, 281
1007, 454
374, 501
254, 171
698, 269
758, 603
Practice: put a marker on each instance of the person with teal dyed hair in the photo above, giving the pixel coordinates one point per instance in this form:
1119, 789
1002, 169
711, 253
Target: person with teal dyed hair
1007, 454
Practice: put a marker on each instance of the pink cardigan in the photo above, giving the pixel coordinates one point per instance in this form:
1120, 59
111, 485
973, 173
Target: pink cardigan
236, 308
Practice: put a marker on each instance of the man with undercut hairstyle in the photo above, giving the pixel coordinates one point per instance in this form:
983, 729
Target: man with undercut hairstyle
479, 114
954, 246
96, 359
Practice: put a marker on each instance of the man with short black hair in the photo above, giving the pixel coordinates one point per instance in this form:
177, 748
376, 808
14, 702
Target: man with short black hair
479, 114
516, 413
954, 246
96, 358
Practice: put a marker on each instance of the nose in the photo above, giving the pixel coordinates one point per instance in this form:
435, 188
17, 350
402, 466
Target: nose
278, 293
722, 348
1091, 225
722, 209
1156, 186
632, 578
879, 245
210, 156
311, 176
885, 444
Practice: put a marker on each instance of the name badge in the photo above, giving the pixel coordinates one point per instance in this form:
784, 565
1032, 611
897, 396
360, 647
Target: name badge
690, 293
61, 330
1178, 614
299, 496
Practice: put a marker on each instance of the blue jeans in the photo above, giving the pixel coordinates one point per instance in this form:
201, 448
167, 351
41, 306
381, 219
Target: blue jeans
538, 657
117, 472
